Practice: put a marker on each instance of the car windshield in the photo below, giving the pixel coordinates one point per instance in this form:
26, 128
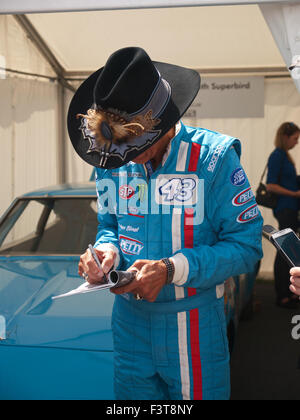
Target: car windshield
49, 226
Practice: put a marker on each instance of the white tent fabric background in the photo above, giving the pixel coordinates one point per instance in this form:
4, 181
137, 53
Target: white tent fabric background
28, 118
18, 50
28, 132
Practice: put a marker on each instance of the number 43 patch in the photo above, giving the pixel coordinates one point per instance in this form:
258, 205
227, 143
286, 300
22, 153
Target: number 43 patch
176, 190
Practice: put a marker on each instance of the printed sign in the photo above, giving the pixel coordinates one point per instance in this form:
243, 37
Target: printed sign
229, 97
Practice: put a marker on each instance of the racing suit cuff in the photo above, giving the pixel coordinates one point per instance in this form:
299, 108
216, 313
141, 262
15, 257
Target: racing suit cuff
110, 247
181, 266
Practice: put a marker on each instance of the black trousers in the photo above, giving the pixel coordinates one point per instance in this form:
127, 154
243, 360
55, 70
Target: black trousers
286, 219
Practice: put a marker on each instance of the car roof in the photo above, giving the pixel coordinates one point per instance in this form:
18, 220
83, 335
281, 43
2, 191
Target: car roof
65, 190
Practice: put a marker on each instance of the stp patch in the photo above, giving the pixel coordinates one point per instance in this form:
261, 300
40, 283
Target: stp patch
126, 192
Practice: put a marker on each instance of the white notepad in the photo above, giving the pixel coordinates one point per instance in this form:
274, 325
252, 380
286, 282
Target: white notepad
85, 288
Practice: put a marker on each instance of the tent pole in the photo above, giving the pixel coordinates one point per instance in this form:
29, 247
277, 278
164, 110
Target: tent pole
34, 6
61, 137
43, 49
77, 76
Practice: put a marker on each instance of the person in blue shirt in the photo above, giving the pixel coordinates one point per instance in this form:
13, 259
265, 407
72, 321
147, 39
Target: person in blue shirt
282, 180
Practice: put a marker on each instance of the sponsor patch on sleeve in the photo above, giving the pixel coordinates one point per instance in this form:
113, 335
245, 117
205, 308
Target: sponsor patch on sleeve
248, 214
214, 160
243, 197
238, 177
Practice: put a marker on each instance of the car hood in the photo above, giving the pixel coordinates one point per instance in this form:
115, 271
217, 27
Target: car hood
29, 316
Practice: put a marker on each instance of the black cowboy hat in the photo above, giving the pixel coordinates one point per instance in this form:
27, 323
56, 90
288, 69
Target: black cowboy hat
125, 107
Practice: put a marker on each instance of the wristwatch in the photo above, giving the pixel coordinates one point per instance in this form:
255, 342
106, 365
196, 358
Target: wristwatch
170, 270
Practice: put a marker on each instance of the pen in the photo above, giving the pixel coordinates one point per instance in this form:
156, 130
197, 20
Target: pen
95, 256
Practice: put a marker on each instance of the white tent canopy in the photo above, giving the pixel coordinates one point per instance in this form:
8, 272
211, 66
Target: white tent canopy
213, 39
38, 6
209, 39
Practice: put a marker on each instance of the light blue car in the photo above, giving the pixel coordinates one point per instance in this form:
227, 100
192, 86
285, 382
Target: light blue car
62, 349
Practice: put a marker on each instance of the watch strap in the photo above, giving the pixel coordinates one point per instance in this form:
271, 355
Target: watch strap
170, 270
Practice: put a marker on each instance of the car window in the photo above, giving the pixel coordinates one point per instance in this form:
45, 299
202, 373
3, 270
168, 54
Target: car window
49, 226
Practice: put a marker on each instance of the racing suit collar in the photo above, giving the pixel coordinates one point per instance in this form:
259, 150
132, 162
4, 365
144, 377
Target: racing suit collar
178, 135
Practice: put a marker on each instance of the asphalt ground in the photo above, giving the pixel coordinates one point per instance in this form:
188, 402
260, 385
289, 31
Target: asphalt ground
265, 362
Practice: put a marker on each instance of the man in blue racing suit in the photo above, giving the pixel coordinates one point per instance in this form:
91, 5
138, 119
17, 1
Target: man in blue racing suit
182, 216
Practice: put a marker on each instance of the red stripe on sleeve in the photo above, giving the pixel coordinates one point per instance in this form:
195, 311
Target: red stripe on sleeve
194, 159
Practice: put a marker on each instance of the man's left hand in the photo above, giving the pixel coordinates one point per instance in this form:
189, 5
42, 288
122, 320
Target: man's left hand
151, 276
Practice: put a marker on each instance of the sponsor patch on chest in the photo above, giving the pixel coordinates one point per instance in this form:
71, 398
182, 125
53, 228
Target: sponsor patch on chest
129, 228
126, 192
130, 246
176, 189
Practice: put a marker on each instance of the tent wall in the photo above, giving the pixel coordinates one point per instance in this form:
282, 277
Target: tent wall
18, 50
28, 133
28, 117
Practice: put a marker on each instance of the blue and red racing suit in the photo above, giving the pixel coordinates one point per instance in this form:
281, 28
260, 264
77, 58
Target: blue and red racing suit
198, 209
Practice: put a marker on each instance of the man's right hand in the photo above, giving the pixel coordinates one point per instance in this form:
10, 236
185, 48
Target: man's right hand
89, 267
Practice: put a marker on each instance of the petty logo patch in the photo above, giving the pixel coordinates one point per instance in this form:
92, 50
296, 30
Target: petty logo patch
249, 214
126, 192
238, 177
130, 246
243, 197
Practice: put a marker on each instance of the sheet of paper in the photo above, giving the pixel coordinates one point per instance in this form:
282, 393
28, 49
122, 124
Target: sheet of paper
85, 288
